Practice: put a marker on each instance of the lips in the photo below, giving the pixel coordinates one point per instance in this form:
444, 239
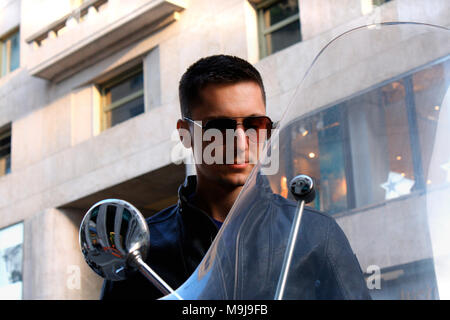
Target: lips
238, 165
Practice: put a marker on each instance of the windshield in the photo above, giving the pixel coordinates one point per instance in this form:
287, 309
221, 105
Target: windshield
369, 123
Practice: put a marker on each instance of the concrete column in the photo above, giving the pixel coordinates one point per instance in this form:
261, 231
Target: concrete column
81, 114
53, 266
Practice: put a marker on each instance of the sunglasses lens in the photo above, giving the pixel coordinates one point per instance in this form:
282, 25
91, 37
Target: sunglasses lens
256, 128
255, 125
221, 124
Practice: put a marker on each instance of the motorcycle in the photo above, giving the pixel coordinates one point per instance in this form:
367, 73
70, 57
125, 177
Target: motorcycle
363, 139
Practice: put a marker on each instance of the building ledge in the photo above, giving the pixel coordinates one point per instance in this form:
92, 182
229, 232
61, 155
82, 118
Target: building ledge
73, 43
61, 23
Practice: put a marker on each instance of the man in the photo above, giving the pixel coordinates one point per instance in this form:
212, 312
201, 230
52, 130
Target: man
222, 93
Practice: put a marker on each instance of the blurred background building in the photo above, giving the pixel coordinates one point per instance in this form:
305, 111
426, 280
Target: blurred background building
89, 103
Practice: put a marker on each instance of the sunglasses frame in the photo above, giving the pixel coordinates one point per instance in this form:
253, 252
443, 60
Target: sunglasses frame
204, 127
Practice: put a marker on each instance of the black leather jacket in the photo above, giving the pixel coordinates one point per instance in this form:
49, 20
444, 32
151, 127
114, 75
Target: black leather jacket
181, 235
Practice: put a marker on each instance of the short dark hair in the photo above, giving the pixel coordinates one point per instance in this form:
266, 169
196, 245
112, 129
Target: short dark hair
216, 69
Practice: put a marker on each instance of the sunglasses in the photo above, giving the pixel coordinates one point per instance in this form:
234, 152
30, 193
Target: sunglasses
252, 125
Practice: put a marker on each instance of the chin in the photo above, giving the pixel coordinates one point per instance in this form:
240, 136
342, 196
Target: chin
235, 178
226, 175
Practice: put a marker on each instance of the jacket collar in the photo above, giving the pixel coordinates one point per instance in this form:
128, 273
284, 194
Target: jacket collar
188, 210
185, 190
188, 187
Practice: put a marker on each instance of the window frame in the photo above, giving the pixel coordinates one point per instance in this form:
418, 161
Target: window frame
263, 31
5, 53
420, 185
122, 77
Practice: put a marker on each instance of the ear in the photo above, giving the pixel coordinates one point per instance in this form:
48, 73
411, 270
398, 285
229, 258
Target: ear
185, 134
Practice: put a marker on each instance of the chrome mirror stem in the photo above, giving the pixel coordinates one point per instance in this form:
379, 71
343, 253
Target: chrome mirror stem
302, 188
136, 259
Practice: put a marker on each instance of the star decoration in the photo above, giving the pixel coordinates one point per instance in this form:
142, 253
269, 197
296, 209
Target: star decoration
397, 185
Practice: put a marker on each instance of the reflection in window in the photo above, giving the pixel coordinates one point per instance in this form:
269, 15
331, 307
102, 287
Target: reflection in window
380, 145
123, 98
372, 147
279, 25
318, 151
11, 252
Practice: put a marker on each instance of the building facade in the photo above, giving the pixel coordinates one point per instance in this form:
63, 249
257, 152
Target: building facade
89, 103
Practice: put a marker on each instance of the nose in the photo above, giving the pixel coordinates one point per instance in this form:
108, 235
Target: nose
241, 138
241, 144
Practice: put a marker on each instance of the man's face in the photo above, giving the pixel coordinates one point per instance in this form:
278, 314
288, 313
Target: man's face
242, 99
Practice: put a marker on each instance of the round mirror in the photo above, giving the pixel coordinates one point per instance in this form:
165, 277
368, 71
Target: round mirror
111, 230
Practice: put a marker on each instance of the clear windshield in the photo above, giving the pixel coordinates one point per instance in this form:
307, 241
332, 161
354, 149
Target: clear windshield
370, 123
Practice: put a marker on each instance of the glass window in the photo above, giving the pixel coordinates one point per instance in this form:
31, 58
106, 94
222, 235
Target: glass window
279, 24
5, 152
373, 147
9, 53
123, 98
318, 150
11, 253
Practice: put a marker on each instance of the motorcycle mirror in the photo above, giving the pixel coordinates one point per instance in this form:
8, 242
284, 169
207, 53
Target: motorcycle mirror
302, 188
110, 231
114, 239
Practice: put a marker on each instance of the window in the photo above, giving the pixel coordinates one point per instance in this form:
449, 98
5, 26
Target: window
122, 98
373, 147
5, 151
9, 53
11, 253
318, 149
279, 25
